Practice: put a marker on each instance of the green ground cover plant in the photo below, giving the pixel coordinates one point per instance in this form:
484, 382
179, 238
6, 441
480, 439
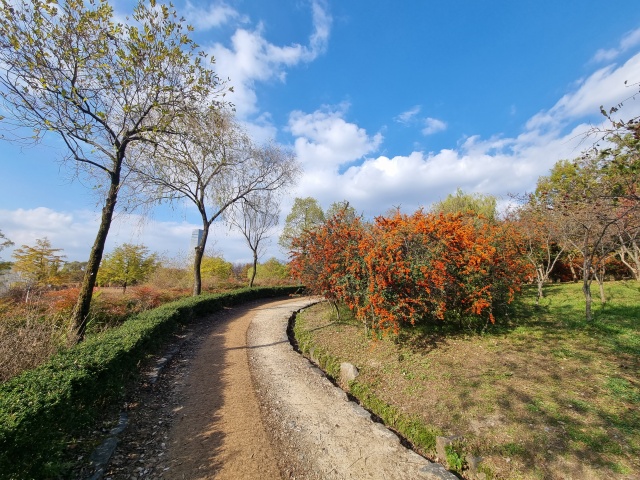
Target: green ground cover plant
542, 394
42, 410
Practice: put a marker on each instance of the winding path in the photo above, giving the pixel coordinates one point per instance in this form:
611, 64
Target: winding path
250, 407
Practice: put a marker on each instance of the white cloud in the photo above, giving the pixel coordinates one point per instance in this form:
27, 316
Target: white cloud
251, 58
212, 16
429, 125
433, 125
408, 116
72, 232
604, 87
629, 41
325, 141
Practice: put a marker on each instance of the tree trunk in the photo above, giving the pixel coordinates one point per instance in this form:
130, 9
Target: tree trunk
633, 256
255, 268
335, 305
586, 289
540, 281
80, 314
197, 259
599, 276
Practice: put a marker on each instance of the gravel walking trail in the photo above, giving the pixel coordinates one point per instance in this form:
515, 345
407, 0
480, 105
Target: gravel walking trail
237, 402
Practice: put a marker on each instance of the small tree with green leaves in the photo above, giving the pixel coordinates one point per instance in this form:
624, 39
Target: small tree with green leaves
271, 271
306, 213
476, 203
216, 269
127, 265
39, 265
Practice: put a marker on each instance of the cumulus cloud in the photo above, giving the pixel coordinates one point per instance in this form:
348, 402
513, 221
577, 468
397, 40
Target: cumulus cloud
250, 58
630, 40
325, 140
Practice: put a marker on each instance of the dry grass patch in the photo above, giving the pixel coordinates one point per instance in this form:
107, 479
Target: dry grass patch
544, 396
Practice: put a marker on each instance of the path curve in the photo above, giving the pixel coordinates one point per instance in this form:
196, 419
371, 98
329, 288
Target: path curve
237, 402
334, 438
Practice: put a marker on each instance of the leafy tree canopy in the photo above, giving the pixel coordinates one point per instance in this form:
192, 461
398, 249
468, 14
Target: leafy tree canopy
39, 265
127, 265
305, 214
476, 203
216, 268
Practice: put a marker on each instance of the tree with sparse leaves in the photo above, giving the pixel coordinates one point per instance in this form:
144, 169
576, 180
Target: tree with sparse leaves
255, 216
214, 166
542, 244
583, 199
70, 68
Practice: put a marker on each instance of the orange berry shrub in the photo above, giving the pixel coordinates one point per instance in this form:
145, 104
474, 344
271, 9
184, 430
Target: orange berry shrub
329, 262
413, 268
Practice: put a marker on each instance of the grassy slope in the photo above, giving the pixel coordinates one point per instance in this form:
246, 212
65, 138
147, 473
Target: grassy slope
547, 396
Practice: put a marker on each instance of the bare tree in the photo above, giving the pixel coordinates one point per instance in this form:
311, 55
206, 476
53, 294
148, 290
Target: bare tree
629, 245
542, 241
255, 216
69, 68
214, 166
588, 211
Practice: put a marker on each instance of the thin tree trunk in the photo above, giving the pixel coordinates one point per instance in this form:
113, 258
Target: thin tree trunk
586, 289
255, 268
600, 279
335, 306
80, 314
197, 260
633, 264
540, 281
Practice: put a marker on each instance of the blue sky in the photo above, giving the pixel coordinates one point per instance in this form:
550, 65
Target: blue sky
384, 104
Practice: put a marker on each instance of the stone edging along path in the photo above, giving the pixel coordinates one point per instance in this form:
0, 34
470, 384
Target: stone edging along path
334, 437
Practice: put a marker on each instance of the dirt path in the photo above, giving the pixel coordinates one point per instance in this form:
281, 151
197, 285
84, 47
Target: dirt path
219, 432
237, 402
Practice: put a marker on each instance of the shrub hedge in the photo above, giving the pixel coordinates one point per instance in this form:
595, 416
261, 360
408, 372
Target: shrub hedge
42, 409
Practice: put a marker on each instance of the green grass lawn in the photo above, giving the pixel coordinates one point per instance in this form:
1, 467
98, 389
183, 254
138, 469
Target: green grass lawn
542, 395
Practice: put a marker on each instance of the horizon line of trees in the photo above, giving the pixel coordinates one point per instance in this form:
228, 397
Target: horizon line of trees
41, 266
